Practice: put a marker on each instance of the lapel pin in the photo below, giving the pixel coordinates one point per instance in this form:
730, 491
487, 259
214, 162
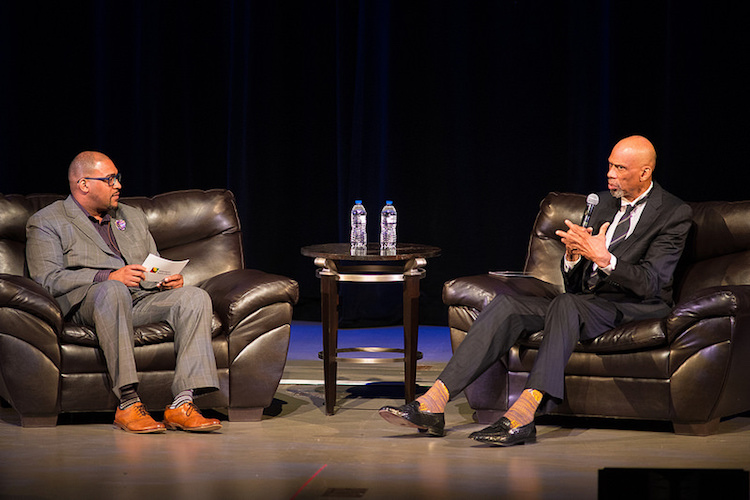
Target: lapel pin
120, 224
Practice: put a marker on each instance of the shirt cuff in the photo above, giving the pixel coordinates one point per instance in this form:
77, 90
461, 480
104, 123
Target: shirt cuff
102, 275
611, 266
570, 264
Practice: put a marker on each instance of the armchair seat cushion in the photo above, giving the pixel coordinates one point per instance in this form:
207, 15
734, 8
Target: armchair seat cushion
635, 336
638, 365
153, 333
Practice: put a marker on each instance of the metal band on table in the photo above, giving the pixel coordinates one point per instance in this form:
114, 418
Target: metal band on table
370, 273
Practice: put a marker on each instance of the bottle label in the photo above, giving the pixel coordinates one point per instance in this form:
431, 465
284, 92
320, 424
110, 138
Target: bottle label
391, 219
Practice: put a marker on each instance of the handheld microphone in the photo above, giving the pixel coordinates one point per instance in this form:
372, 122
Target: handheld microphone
591, 201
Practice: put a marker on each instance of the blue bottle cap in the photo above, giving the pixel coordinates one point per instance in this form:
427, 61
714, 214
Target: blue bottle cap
357, 202
388, 202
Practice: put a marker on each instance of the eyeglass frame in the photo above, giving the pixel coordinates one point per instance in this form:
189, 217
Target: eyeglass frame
110, 179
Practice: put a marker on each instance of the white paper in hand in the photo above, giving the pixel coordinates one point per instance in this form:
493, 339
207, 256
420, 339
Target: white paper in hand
157, 268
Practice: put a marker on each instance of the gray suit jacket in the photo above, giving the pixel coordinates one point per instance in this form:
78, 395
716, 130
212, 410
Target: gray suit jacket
64, 252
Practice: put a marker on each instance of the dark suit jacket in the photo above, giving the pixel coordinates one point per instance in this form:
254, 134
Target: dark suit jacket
646, 260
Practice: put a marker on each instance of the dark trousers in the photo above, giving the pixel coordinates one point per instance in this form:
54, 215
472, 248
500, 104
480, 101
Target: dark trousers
565, 319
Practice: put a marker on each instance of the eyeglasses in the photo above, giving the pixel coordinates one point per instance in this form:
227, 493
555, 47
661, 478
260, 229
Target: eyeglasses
110, 179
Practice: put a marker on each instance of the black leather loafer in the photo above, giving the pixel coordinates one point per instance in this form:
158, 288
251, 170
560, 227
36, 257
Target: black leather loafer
409, 415
501, 434
501, 426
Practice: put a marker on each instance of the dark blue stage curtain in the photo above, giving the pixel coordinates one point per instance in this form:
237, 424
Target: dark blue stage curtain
464, 113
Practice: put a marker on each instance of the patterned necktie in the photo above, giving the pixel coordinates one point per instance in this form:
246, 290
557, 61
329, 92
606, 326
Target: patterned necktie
621, 232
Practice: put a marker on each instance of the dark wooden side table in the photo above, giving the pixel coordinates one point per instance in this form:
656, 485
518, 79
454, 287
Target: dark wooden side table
337, 263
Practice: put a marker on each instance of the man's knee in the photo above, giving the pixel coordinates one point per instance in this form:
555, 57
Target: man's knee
503, 303
563, 316
110, 291
564, 302
105, 302
196, 298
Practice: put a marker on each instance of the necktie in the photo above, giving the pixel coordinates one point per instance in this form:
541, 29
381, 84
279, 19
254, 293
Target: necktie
621, 232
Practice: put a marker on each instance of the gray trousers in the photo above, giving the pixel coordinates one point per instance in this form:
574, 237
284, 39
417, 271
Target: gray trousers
110, 309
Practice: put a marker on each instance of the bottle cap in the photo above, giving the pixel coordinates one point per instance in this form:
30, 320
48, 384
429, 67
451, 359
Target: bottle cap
388, 202
357, 202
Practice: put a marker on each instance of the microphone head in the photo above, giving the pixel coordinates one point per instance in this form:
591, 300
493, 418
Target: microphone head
592, 199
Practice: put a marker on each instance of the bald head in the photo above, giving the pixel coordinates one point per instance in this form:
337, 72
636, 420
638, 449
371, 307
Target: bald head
631, 165
85, 165
94, 182
639, 149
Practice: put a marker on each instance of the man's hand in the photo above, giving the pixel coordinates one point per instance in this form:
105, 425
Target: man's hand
579, 240
131, 274
171, 282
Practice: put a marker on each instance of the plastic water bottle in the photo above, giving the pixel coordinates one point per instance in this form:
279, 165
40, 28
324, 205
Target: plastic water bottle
358, 235
388, 219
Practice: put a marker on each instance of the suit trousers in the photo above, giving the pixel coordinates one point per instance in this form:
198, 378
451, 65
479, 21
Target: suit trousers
565, 319
110, 309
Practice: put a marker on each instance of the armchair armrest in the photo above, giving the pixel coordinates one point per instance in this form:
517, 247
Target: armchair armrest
29, 313
709, 341
707, 303
236, 294
27, 295
478, 291
29, 350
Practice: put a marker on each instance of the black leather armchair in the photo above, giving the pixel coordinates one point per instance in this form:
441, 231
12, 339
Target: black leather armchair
49, 366
690, 368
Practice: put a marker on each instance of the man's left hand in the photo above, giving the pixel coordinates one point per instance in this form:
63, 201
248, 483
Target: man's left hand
579, 240
171, 282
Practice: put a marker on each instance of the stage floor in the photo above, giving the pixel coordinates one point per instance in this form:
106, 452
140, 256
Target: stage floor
297, 451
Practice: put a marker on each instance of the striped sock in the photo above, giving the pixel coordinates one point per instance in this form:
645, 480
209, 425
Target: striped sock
185, 396
128, 396
435, 399
523, 410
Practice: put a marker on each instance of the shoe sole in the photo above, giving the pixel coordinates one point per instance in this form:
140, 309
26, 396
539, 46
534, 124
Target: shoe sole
208, 428
158, 430
504, 445
528, 440
394, 419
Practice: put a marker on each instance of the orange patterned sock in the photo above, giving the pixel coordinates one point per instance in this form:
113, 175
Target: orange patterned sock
523, 410
435, 399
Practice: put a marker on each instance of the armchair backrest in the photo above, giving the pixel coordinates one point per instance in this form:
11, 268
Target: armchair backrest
15, 210
202, 226
545, 250
717, 251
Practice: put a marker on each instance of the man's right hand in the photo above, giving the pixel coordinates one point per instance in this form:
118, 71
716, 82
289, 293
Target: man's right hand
131, 274
579, 240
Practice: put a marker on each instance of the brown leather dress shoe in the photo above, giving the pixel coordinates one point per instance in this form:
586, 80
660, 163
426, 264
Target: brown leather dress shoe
187, 417
136, 419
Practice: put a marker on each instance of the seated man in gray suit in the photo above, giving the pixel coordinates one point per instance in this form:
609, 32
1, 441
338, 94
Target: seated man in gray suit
616, 271
87, 252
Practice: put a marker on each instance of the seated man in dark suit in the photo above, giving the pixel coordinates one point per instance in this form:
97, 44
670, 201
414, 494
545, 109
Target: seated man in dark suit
616, 271
87, 251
